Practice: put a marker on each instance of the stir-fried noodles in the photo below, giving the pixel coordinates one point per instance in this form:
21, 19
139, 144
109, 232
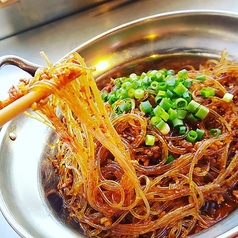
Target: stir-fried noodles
151, 155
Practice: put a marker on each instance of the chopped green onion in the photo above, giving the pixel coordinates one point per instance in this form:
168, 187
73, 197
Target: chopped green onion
187, 96
126, 85
117, 82
155, 120
154, 85
170, 159
123, 93
165, 116
192, 136
201, 78
125, 106
104, 96
180, 103
150, 140
207, 92
145, 106
182, 130
166, 103
227, 97
170, 81
169, 93
177, 122
215, 132
162, 86
172, 98
158, 98
179, 80
170, 72
180, 89
143, 75
160, 76
146, 81
200, 133
183, 73
158, 111
202, 112
188, 83
193, 106
163, 127
161, 93
131, 93
133, 76
112, 98
192, 117
135, 84
172, 114
181, 114
157, 77
139, 93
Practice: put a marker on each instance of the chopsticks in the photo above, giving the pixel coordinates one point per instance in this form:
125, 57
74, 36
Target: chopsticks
23, 103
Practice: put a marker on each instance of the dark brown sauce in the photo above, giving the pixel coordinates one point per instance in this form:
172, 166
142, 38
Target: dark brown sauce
50, 179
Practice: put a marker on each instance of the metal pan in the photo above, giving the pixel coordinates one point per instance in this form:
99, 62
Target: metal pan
165, 40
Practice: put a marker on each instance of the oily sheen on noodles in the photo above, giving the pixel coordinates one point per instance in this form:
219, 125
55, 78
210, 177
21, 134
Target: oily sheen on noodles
150, 155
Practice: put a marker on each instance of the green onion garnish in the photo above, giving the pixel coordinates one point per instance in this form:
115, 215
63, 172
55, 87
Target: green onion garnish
170, 159
202, 112
215, 132
154, 85
172, 114
181, 114
177, 122
170, 72
193, 106
201, 78
207, 92
192, 117
172, 103
145, 106
162, 86
139, 93
104, 96
131, 93
187, 96
150, 140
125, 107
158, 110
192, 136
166, 103
228, 97
182, 130
180, 103
180, 89
183, 73
112, 98
163, 127
155, 120
200, 133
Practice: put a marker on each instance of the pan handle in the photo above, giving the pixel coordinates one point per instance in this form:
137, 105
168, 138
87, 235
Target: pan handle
20, 63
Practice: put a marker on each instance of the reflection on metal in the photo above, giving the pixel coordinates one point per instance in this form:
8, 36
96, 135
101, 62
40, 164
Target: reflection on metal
102, 65
187, 38
28, 14
12, 135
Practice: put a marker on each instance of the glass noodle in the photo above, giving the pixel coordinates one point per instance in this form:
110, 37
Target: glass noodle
112, 183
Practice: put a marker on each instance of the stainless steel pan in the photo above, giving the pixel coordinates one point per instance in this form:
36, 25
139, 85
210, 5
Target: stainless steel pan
172, 39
